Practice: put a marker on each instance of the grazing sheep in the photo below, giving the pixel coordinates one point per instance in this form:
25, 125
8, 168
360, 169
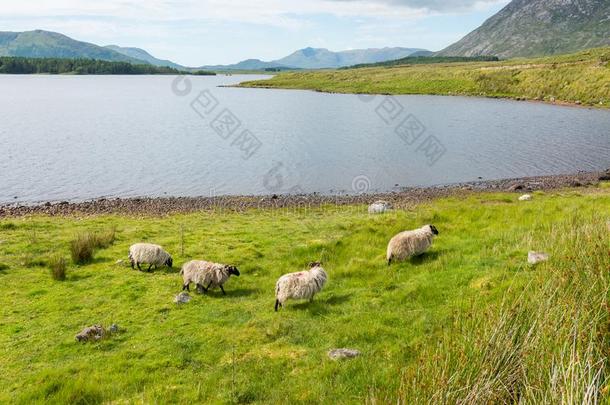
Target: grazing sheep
300, 286
410, 243
147, 253
201, 273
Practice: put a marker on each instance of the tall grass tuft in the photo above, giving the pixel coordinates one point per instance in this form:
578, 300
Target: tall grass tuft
546, 343
57, 266
83, 246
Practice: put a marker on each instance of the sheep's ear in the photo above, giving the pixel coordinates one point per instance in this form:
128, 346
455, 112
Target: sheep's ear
434, 230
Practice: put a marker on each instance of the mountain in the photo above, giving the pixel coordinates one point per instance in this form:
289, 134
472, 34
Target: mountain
46, 44
538, 27
317, 58
248, 64
141, 54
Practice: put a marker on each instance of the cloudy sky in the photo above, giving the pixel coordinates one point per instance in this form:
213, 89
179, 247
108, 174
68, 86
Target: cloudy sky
199, 32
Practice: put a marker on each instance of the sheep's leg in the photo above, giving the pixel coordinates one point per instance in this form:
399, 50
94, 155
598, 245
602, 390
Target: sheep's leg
186, 287
149, 267
200, 289
311, 299
138, 264
390, 261
132, 266
277, 304
208, 287
223, 290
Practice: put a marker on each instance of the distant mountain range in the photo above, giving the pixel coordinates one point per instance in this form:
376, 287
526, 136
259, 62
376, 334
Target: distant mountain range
319, 58
142, 55
538, 27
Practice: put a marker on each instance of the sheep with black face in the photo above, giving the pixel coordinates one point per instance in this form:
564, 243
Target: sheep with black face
148, 253
303, 285
410, 243
206, 275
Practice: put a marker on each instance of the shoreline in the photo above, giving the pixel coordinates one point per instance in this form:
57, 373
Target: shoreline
558, 103
408, 197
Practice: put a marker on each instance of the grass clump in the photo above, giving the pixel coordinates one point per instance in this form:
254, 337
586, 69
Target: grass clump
84, 245
57, 266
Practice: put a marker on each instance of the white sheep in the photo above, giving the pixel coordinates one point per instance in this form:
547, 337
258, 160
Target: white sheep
147, 253
302, 285
204, 273
410, 243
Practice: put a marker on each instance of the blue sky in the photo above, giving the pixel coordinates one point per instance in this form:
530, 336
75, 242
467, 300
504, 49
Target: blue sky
201, 32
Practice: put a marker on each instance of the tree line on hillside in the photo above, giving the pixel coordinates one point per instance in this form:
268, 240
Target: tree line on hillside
20, 65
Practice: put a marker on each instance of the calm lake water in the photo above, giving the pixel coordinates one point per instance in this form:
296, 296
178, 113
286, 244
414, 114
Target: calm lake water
82, 137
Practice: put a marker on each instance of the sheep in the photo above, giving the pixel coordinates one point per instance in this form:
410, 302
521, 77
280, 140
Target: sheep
201, 273
147, 253
300, 285
410, 243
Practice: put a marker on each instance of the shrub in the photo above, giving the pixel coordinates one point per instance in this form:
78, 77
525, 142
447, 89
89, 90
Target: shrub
57, 265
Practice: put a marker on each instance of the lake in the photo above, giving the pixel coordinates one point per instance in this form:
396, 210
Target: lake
83, 137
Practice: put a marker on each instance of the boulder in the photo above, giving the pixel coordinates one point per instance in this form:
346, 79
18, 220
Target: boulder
182, 298
537, 257
91, 334
337, 354
379, 207
516, 186
525, 197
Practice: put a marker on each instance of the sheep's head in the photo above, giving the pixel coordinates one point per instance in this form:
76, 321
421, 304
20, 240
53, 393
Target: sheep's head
433, 229
232, 270
169, 262
314, 264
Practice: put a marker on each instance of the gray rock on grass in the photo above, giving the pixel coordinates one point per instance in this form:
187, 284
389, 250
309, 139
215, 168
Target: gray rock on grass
338, 354
537, 257
182, 298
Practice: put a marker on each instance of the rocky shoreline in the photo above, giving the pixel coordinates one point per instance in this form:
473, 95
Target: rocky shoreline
408, 197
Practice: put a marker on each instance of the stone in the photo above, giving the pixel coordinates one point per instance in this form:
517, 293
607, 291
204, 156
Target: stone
516, 186
575, 183
525, 197
379, 207
119, 262
337, 354
114, 328
91, 334
537, 257
182, 298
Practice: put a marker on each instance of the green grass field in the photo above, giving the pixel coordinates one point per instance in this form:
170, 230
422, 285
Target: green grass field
470, 320
583, 77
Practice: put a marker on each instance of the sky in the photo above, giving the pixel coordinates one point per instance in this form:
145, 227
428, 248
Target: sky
209, 32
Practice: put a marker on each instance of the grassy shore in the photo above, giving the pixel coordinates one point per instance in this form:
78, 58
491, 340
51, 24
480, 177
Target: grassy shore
469, 320
582, 78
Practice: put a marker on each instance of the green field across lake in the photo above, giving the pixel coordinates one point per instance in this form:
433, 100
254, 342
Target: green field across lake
580, 78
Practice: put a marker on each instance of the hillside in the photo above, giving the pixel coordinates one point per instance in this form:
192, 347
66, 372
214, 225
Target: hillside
142, 55
248, 64
581, 78
45, 44
538, 27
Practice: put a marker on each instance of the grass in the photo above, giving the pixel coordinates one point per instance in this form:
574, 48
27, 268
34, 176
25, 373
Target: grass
57, 266
84, 245
470, 319
583, 77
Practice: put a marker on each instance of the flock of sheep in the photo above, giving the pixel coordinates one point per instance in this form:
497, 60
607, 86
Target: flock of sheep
300, 285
